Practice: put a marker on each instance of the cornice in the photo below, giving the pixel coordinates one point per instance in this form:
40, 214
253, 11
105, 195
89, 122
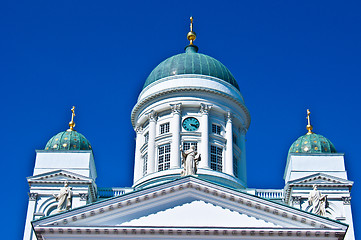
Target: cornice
143, 102
249, 204
141, 232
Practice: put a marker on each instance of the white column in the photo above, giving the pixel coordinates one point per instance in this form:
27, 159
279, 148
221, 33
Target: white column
228, 163
152, 115
348, 214
175, 128
28, 233
204, 146
138, 162
242, 168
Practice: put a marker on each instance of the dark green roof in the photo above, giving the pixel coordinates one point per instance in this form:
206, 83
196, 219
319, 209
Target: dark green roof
312, 143
68, 140
191, 62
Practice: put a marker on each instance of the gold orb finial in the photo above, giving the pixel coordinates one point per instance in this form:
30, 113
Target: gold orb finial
72, 123
309, 126
191, 36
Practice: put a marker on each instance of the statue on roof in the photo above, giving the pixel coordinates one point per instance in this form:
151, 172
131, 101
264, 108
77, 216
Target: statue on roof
190, 159
317, 201
64, 198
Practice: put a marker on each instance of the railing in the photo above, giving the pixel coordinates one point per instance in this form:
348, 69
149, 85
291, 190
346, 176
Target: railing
112, 192
269, 193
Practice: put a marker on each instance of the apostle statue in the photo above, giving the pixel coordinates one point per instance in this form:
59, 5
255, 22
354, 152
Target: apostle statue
64, 198
318, 202
190, 159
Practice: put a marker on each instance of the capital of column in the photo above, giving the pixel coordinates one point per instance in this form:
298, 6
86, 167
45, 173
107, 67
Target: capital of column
346, 200
152, 116
176, 108
138, 129
33, 196
205, 108
229, 117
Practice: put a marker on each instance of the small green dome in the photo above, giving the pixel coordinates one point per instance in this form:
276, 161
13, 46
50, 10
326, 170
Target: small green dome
312, 143
68, 140
191, 62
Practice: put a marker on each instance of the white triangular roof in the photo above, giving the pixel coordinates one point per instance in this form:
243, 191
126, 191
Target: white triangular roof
59, 177
187, 205
321, 179
199, 212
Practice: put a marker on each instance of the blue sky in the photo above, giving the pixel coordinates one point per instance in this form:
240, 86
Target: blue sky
287, 56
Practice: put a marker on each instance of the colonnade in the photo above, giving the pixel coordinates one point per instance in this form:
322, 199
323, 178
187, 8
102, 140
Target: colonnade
175, 129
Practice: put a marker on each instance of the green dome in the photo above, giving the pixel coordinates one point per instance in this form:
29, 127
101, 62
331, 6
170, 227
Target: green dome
312, 143
191, 62
68, 140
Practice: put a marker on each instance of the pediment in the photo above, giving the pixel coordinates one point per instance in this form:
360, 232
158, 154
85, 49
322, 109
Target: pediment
320, 179
58, 176
187, 203
199, 212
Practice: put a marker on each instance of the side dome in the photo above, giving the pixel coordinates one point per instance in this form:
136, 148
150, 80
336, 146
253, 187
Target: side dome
191, 62
68, 140
312, 143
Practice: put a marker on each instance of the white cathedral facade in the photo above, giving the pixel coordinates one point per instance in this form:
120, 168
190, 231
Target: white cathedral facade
189, 171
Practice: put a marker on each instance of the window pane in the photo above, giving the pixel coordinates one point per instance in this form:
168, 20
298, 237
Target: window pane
187, 145
145, 164
164, 128
164, 157
216, 158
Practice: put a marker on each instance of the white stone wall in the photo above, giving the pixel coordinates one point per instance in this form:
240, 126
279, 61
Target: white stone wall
303, 171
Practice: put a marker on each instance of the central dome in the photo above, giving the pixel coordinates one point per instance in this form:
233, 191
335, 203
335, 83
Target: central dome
191, 62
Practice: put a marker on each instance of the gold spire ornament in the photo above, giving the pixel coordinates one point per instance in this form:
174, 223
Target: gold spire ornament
191, 36
309, 126
72, 123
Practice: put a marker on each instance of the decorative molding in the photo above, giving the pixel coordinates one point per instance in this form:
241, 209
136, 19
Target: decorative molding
218, 233
205, 108
33, 196
62, 182
152, 116
141, 103
83, 196
47, 178
250, 203
138, 129
176, 108
346, 200
229, 116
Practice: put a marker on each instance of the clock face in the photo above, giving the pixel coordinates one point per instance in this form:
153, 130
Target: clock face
190, 124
